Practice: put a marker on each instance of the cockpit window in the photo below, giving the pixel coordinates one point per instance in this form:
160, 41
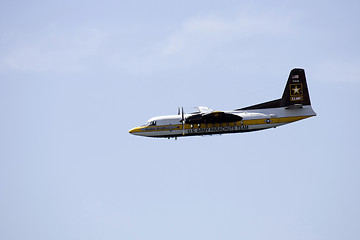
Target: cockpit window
150, 123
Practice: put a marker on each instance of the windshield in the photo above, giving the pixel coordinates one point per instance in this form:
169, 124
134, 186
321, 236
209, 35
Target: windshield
150, 123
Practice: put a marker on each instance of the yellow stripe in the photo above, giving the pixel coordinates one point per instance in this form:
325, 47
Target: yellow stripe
274, 120
203, 125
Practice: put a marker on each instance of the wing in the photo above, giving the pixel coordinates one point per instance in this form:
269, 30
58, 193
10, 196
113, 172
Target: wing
203, 109
213, 117
219, 116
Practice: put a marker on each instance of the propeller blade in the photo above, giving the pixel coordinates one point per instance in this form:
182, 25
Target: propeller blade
183, 121
178, 111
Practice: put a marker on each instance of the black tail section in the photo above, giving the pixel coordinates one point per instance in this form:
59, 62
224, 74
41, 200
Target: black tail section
296, 93
296, 90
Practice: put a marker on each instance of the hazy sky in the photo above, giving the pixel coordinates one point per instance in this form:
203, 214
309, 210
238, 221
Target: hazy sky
75, 76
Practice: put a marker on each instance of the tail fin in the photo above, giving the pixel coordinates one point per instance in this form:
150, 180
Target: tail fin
295, 95
296, 90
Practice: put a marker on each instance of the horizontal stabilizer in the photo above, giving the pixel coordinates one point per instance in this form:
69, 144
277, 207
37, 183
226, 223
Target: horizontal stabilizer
295, 106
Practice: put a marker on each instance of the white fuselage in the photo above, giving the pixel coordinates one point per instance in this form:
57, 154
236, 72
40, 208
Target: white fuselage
252, 120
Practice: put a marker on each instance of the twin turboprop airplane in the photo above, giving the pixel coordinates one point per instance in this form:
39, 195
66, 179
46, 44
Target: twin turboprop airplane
293, 106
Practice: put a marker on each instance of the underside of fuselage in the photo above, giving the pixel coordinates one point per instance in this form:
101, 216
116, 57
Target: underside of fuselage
209, 133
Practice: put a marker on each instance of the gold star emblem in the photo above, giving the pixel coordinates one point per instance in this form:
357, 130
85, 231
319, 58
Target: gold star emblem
296, 90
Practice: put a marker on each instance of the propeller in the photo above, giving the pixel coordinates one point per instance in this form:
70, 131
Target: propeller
182, 119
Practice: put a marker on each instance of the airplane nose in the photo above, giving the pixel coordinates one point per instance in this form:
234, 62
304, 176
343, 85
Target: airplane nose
132, 130
135, 131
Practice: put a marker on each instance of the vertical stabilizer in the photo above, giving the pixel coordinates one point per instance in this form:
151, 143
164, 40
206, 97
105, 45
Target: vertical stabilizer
296, 90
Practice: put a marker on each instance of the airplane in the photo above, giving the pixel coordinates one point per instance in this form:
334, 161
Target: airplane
294, 105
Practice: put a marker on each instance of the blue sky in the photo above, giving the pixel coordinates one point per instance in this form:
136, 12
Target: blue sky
76, 76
